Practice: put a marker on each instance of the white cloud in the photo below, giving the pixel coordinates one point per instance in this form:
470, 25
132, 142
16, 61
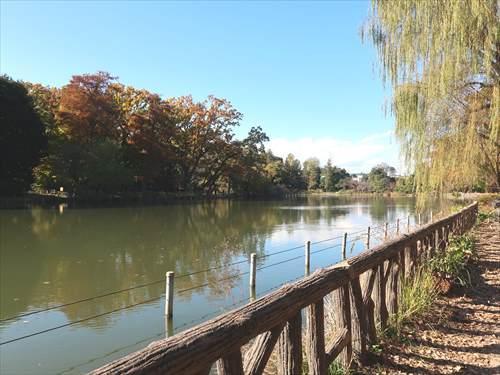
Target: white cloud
356, 156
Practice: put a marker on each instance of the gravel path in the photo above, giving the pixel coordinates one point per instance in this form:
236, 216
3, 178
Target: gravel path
462, 334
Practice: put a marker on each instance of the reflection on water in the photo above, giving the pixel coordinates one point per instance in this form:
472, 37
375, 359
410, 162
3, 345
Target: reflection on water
56, 256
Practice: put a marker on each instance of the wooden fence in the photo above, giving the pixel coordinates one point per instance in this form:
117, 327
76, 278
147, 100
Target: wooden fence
365, 293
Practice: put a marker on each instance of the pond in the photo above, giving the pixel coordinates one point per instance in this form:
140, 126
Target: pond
54, 261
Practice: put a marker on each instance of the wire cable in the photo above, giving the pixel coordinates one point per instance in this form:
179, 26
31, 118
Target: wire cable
352, 241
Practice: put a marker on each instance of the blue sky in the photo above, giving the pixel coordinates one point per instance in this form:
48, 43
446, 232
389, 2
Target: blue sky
298, 69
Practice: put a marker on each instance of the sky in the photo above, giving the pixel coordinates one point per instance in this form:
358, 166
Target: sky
297, 69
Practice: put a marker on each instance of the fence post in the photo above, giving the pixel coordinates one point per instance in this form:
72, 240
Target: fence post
380, 301
307, 253
408, 224
393, 285
386, 226
342, 313
432, 219
253, 269
397, 227
358, 321
169, 294
344, 246
316, 338
290, 347
368, 239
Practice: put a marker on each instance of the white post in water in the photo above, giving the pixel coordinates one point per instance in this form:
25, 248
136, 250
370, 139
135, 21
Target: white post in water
169, 294
253, 269
307, 254
344, 246
431, 217
386, 227
419, 219
368, 238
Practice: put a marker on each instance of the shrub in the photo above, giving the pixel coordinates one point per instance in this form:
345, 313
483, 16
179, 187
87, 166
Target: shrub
452, 263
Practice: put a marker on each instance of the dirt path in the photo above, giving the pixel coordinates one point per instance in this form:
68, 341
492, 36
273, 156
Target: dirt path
462, 335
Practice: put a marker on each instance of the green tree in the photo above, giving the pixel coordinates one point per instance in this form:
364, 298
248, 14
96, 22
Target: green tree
312, 173
274, 168
443, 60
333, 178
405, 184
379, 180
327, 177
291, 174
103, 168
22, 137
247, 173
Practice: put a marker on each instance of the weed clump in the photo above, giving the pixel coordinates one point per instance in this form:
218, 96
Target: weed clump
451, 266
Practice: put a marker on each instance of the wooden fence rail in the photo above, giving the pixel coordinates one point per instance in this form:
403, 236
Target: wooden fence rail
364, 290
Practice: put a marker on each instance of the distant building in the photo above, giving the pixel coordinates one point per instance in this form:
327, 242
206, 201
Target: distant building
358, 177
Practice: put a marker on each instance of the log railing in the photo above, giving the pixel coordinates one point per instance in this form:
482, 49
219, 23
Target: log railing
364, 291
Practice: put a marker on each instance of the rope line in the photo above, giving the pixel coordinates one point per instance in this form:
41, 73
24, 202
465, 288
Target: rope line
192, 322
80, 320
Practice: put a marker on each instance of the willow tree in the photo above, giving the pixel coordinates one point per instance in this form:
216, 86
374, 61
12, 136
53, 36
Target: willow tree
442, 59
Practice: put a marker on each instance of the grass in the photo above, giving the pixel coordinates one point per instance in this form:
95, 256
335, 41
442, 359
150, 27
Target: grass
417, 296
418, 293
336, 368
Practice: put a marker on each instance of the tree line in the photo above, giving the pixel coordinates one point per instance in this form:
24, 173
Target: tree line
96, 135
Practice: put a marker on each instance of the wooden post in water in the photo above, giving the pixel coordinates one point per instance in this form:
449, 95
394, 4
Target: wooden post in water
431, 216
368, 239
169, 327
386, 227
307, 254
419, 219
344, 246
253, 269
397, 227
169, 294
408, 224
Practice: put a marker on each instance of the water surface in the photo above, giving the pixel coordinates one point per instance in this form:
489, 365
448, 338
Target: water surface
50, 257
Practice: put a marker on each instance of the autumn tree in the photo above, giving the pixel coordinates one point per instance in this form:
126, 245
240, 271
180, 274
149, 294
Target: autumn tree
442, 59
86, 129
148, 135
86, 110
105, 137
22, 137
203, 141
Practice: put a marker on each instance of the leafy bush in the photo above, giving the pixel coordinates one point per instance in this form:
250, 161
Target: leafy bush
452, 263
482, 216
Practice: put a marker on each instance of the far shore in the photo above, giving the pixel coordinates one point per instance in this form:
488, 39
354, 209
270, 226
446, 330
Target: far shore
162, 198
